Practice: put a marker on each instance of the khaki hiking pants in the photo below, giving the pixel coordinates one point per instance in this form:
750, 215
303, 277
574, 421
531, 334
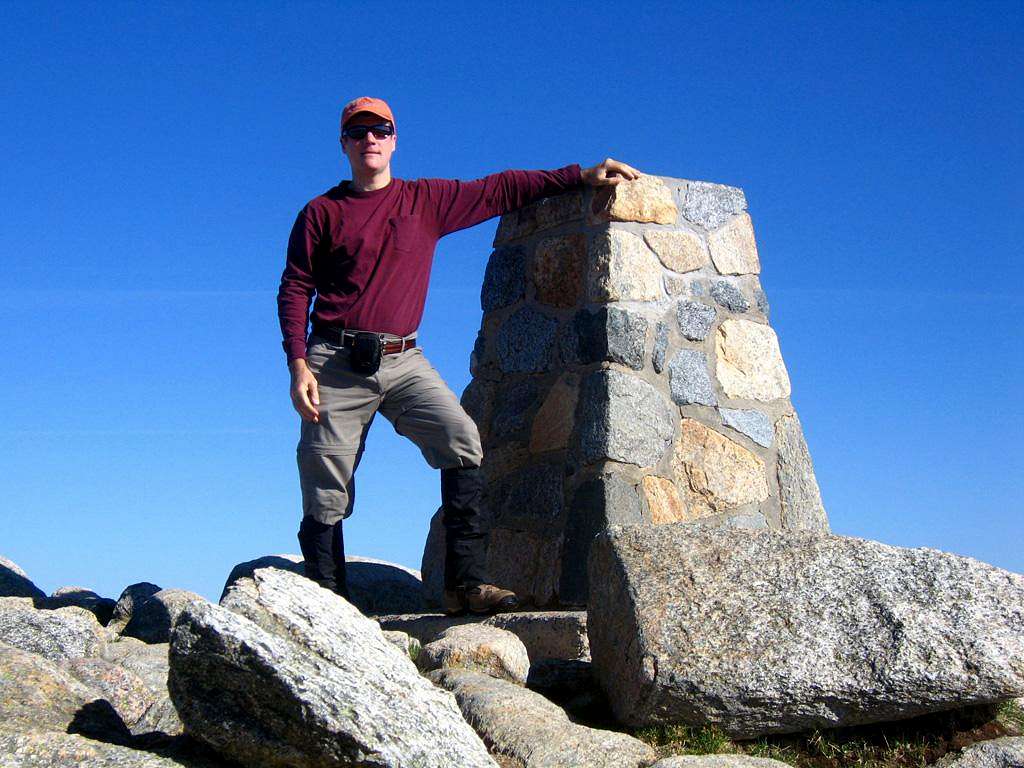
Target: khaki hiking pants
411, 395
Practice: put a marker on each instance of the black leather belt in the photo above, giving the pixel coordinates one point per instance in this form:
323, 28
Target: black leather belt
347, 337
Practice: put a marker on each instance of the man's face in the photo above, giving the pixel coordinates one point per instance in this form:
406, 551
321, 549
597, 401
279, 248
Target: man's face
369, 155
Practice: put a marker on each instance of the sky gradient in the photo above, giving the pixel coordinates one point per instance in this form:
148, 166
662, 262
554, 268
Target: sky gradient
156, 156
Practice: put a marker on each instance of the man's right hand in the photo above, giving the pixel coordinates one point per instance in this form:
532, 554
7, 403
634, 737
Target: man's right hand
305, 396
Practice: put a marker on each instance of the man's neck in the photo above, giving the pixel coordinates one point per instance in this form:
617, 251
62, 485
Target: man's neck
372, 182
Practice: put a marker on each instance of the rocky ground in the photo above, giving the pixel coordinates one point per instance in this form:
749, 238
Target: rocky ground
845, 653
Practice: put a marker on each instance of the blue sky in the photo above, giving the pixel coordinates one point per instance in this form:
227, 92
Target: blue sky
155, 156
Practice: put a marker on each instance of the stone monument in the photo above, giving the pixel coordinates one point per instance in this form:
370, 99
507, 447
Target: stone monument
625, 372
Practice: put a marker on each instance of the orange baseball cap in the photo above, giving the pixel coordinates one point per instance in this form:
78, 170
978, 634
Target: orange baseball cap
377, 107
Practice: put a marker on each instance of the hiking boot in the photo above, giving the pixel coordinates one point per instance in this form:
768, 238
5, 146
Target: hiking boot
483, 598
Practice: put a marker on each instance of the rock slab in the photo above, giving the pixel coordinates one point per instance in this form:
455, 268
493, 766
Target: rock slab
761, 631
287, 673
527, 727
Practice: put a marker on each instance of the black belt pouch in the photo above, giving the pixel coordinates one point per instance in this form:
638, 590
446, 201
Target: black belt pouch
366, 353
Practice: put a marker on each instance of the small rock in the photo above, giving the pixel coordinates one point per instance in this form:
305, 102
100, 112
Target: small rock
131, 596
14, 582
153, 618
689, 381
711, 205
101, 607
695, 319
718, 761
729, 296
495, 652
753, 424
1006, 752
60, 634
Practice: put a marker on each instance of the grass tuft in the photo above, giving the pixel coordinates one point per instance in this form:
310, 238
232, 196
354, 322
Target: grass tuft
913, 743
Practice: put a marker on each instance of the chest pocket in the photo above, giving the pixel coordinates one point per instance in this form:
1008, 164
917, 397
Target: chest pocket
405, 232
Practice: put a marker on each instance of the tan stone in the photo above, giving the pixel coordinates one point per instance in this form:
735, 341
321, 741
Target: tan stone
733, 248
558, 265
748, 361
623, 268
675, 285
715, 473
646, 199
680, 251
553, 423
536, 217
663, 501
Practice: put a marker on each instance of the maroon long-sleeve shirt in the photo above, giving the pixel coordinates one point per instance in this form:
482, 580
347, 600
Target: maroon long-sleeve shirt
368, 254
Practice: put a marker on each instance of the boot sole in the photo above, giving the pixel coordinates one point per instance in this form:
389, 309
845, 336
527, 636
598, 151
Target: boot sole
505, 606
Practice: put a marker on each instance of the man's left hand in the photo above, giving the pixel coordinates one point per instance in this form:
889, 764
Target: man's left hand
609, 172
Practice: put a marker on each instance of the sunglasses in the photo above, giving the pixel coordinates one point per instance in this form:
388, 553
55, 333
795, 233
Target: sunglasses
358, 132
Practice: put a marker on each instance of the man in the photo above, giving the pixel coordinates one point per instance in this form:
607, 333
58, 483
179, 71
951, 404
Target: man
366, 247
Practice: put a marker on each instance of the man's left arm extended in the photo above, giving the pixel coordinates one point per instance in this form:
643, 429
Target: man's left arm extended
462, 204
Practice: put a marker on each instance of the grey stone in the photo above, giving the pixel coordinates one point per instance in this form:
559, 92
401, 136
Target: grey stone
478, 355
582, 339
560, 679
477, 400
482, 648
729, 296
596, 504
762, 301
131, 596
797, 629
1005, 752
623, 418
153, 618
375, 586
378, 586
100, 607
798, 488
610, 333
525, 342
528, 499
689, 381
711, 205
14, 582
432, 563
293, 674
660, 348
515, 403
36, 693
528, 728
695, 319
406, 643
59, 634
627, 336
718, 761
546, 634
504, 279
749, 520
754, 424
51, 749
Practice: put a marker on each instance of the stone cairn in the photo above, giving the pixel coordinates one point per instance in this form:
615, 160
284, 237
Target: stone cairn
625, 372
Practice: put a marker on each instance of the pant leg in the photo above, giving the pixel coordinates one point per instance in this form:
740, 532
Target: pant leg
422, 407
329, 451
